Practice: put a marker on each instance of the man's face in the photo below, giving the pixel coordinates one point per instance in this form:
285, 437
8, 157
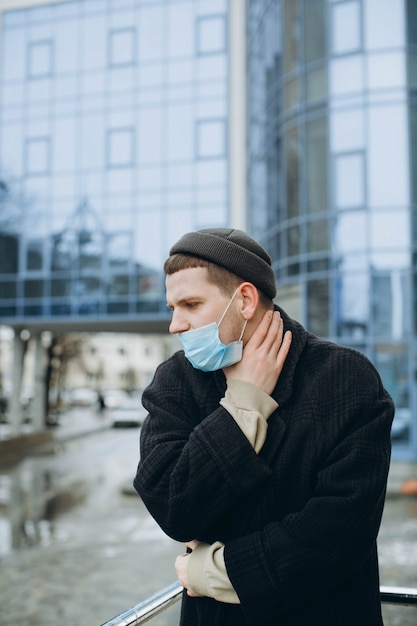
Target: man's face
195, 301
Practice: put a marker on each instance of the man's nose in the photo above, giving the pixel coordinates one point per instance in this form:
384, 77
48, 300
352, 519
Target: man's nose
178, 324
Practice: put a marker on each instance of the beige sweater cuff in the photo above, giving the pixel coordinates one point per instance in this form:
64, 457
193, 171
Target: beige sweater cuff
250, 407
206, 573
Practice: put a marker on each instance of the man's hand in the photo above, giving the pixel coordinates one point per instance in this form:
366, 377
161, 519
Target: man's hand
264, 354
181, 563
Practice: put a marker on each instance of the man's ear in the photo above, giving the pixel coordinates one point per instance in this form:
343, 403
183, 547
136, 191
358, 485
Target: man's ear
250, 300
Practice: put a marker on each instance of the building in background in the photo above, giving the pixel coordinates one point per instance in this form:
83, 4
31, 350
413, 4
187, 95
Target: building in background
114, 141
332, 153
124, 123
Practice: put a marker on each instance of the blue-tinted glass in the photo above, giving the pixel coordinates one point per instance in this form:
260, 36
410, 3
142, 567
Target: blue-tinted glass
180, 132
346, 27
211, 35
40, 59
352, 304
37, 155
347, 130
34, 256
150, 135
180, 29
121, 147
13, 18
93, 37
211, 139
212, 66
122, 47
14, 56
67, 40
386, 71
151, 35
349, 181
347, 75
377, 16
64, 145
387, 169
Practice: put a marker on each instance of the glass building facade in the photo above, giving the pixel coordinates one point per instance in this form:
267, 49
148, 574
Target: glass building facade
124, 123
114, 141
332, 175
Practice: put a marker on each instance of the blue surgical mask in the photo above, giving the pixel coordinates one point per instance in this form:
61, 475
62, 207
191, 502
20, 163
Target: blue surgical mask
204, 349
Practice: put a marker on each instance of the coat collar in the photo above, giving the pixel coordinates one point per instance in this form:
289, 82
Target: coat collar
284, 387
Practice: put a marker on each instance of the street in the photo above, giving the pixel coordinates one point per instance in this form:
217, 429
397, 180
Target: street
77, 546
74, 548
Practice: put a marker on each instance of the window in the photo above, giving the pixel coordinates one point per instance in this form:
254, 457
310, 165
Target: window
211, 35
122, 47
346, 30
37, 157
211, 139
40, 55
318, 307
34, 256
349, 181
120, 147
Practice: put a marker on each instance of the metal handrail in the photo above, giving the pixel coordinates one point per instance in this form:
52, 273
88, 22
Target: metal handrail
398, 595
146, 610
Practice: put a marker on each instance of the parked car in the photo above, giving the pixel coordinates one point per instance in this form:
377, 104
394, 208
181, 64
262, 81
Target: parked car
401, 424
129, 413
83, 396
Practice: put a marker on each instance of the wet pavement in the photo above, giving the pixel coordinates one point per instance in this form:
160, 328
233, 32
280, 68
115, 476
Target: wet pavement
78, 546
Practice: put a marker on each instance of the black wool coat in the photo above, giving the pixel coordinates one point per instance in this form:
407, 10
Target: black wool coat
300, 519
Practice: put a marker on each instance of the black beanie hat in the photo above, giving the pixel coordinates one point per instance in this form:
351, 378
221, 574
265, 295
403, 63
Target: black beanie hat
235, 251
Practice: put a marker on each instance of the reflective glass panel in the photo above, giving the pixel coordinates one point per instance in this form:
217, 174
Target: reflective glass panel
386, 71
390, 304
317, 236
121, 147
318, 307
314, 30
349, 181
352, 305
387, 169
392, 364
122, 47
40, 59
379, 13
211, 35
292, 162
347, 75
37, 156
317, 174
346, 27
211, 139
34, 256
180, 36
347, 130
151, 36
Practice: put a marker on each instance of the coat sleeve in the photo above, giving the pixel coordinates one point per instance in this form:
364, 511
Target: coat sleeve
193, 468
302, 557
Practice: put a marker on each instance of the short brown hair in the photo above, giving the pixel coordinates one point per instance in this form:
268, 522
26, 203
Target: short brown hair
225, 280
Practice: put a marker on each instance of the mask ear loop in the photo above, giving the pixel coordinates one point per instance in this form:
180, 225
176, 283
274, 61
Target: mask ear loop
243, 330
228, 307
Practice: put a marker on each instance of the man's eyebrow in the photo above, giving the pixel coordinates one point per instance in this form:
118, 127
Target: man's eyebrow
183, 301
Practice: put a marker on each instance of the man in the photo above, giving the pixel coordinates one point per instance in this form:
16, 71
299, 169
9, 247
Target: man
266, 450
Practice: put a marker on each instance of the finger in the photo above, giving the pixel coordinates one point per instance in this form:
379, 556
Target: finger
284, 348
261, 331
273, 337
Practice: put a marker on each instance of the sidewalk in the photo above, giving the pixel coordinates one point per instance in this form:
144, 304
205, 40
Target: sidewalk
71, 424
